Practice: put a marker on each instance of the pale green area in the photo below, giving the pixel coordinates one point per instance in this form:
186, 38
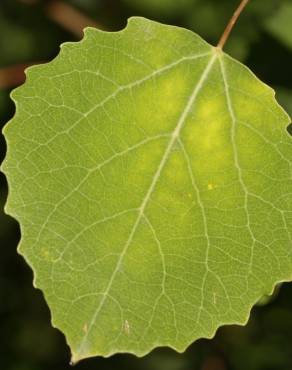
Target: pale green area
280, 24
151, 176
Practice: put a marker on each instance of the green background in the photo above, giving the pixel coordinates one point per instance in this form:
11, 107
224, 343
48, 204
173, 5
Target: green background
31, 33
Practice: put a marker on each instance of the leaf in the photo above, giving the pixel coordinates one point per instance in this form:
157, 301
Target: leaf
151, 176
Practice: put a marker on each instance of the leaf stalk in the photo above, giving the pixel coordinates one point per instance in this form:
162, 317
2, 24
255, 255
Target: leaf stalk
231, 24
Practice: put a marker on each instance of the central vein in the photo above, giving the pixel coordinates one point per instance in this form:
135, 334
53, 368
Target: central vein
175, 135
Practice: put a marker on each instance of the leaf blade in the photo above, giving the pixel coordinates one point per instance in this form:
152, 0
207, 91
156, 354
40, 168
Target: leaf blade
166, 242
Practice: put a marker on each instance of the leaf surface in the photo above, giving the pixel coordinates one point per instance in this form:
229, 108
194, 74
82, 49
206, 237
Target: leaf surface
151, 176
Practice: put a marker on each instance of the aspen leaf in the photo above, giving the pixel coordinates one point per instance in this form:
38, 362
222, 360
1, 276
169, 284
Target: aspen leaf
151, 177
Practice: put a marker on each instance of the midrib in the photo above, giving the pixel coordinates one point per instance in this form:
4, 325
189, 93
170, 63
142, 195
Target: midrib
151, 188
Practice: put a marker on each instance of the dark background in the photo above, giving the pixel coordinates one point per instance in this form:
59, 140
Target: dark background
31, 32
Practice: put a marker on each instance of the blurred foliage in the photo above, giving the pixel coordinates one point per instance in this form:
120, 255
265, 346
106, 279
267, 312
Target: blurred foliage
280, 24
162, 7
29, 33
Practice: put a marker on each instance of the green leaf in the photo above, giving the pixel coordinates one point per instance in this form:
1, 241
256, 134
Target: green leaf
151, 176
